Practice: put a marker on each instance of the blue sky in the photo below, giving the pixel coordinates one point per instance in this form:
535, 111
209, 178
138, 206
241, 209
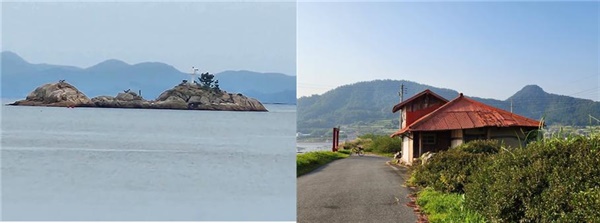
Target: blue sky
485, 49
213, 36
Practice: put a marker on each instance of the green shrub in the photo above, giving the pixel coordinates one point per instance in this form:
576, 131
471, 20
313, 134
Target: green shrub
550, 180
386, 144
382, 144
481, 146
586, 204
359, 142
442, 207
449, 171
310, 161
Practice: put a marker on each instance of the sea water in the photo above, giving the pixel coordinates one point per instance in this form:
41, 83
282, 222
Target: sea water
97, 164
303, 147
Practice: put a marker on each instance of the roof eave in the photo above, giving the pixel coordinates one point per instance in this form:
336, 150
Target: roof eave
400, 105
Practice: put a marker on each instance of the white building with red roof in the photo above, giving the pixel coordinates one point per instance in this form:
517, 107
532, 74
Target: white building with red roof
430, 123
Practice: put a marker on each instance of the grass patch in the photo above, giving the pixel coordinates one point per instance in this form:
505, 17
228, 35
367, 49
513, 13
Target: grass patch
310, 161
345, 151
444, 207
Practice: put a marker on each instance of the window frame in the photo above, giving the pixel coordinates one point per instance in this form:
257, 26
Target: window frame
429, 138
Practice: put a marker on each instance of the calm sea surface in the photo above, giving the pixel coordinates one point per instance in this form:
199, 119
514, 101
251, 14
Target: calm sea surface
303, 147
127, 164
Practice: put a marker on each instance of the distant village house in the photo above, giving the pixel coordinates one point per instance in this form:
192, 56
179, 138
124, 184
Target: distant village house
430, 123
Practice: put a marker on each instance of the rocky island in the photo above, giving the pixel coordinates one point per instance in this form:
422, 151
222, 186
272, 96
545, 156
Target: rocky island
185, 96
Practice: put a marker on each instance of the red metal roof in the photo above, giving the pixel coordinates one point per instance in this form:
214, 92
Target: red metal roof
402, 104
466, 113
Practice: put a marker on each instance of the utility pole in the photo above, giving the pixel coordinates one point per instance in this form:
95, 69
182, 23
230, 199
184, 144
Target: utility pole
511, 105
401, 94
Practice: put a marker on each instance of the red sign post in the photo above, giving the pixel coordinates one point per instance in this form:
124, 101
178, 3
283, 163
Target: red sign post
336, 139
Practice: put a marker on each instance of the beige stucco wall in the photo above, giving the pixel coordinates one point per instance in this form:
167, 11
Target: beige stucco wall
407, 150
456, 138
512, 137
403, 118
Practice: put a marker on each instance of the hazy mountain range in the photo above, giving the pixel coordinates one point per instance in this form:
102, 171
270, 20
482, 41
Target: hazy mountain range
371, 101
110, 77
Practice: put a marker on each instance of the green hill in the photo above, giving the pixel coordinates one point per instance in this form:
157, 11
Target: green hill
532, 101
367, 103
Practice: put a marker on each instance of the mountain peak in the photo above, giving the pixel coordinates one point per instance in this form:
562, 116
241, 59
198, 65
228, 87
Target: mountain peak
533, 88
9, 53
9, 56
529, 91
111, 64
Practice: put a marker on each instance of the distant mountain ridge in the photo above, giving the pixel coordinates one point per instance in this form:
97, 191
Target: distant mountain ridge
373, 100
112, 76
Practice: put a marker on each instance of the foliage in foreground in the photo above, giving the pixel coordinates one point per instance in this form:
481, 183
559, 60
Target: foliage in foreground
550, 180
449, 171
443, 207
307, 162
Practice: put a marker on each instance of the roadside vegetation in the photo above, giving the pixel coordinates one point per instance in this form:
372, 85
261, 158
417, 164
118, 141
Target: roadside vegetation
446, 207
307, 162
553, 179
377, 144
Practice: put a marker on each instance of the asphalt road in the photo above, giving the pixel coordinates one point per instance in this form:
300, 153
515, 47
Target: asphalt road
355, 189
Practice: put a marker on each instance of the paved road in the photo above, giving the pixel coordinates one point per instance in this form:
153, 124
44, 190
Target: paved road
355, 189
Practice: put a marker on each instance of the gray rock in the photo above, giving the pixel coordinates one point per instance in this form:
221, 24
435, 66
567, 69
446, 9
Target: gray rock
60, 94
201, 98
125, 97
183, 96
195, 99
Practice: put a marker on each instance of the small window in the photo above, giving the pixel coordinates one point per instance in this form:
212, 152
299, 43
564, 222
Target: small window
429, 139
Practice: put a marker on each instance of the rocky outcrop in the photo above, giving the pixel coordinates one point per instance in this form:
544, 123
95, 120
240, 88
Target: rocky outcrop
122, 100
192, 96
183, 96
59, 94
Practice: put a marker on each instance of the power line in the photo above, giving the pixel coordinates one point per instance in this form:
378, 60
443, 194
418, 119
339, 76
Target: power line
587, 90
573, 82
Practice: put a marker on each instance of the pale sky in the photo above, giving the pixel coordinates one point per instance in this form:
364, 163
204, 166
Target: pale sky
485, 49
213, 36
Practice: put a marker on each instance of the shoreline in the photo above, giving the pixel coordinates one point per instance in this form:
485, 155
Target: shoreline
137, 107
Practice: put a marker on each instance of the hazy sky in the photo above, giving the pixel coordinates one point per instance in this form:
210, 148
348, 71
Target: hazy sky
483, 49
213, 36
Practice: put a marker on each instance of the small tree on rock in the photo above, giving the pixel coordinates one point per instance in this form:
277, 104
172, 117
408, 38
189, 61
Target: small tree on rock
206, 80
